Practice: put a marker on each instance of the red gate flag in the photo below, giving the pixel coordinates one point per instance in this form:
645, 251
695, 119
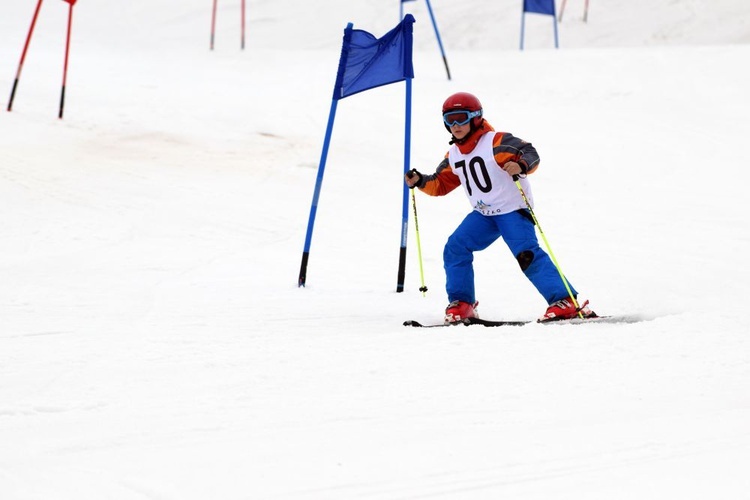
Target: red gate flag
368, 62
539, 6
71, 2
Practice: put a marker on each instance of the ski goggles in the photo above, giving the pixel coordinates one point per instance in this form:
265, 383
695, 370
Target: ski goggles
460, 117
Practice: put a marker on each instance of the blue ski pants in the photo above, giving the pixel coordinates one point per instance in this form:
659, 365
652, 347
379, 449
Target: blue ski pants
477, 232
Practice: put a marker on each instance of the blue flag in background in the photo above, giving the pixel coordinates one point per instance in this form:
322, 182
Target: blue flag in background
368, 62
539, 6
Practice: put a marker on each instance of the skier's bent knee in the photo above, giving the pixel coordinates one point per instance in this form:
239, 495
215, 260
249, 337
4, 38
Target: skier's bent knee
525, 259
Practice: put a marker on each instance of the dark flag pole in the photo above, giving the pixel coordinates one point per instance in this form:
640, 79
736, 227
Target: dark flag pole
434, 26
440, 43
23, 55
67, 52
405, 204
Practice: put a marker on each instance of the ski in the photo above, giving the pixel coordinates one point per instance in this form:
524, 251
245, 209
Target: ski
494, 323
597, 319
467, 322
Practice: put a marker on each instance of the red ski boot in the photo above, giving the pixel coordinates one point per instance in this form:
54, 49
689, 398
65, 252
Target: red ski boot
566, 309
457, 311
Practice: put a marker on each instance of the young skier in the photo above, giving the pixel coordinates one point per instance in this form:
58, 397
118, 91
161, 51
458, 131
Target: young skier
485, 163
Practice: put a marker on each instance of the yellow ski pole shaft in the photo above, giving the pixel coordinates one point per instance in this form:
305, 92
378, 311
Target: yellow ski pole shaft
547, 245
423, 288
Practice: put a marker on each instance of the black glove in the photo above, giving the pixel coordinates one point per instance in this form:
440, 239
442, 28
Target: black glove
411, 174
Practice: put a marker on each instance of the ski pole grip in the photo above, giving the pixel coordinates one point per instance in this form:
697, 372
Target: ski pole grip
515, 178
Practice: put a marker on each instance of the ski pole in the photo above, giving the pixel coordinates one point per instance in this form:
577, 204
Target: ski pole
516, 179
422, 288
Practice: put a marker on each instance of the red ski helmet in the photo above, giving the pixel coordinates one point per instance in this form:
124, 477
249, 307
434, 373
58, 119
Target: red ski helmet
463, 101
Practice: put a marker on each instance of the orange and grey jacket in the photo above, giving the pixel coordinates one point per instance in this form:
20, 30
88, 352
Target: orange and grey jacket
505, 147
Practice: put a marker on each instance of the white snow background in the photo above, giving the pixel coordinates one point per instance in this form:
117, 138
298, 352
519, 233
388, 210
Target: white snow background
154, 343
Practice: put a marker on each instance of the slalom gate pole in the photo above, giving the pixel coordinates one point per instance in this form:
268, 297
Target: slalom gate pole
302, 280
242, 36
422, 288
586, 11
440, 42
546, 244
554, 26
562, 9
67, 52
23, 55
401, 274
213, 24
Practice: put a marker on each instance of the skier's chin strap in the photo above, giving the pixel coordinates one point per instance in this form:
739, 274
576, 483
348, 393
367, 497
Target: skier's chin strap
455, 140
472, 132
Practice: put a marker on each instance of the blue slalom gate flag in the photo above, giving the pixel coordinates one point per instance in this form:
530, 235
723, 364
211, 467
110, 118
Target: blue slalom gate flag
546, 7
368, 62
539, 6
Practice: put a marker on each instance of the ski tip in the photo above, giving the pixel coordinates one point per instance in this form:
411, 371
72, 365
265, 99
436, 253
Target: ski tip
417, 324
597, 319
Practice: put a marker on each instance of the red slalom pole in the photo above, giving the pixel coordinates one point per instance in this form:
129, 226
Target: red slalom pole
67, 51
242, 42
213, 24
23, 55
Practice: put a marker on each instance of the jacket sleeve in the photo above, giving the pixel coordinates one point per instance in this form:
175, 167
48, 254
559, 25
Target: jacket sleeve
507, 147
442, 182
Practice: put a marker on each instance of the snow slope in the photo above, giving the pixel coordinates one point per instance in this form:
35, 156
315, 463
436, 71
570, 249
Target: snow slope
153, 341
